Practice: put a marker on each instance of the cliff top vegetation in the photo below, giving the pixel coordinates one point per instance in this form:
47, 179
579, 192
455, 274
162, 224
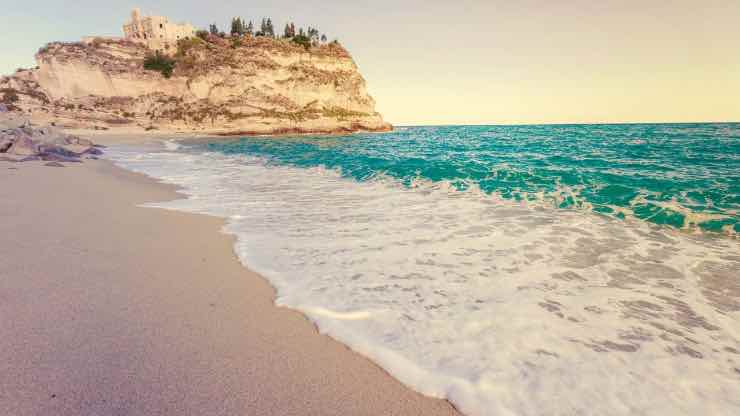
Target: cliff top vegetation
214, 48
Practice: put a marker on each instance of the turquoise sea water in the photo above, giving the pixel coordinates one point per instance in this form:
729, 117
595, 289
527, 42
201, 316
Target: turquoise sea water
498, 267
680, 175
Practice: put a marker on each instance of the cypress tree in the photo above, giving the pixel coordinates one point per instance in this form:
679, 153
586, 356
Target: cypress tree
270, 30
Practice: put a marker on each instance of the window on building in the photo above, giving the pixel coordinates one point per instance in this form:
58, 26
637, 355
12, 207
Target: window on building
161, 26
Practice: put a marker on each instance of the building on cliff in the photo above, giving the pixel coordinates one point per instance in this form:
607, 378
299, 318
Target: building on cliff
156, 32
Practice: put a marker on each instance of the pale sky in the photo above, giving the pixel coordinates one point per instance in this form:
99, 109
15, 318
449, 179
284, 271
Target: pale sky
473, 62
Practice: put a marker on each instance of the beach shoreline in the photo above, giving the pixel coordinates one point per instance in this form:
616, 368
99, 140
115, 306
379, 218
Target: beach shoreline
149, 311
131, 136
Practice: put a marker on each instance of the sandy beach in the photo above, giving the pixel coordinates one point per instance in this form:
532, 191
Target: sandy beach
110, 308
218, 210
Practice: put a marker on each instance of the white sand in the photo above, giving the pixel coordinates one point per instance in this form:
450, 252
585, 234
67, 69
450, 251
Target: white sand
107, 308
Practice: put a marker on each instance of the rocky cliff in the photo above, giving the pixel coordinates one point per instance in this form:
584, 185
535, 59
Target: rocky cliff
218, 86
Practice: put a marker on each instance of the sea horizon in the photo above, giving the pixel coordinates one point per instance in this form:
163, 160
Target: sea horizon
566, 124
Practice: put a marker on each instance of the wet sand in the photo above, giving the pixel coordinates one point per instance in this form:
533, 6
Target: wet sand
108, 308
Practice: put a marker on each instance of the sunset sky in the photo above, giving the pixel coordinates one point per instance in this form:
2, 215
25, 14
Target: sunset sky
473, 62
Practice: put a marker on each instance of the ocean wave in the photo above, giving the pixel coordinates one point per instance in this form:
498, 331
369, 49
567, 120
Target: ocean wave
681, 176
498, 304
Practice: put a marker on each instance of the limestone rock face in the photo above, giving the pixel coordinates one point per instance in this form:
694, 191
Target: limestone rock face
249, 85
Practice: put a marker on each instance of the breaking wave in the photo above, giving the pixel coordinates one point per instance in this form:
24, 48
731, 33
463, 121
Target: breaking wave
558, 297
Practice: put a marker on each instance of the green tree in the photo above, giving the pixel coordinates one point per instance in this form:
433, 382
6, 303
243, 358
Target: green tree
237, 26
213, 29
270, 29
242, 27
250, 28
313, 35
234, 26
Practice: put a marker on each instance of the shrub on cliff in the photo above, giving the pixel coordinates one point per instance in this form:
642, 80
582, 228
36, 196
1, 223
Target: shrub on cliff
202, 34
302, 40
161, 63
341, 113
185, 45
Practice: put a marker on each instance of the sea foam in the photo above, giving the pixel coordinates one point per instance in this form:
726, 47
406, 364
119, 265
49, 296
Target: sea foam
503, 307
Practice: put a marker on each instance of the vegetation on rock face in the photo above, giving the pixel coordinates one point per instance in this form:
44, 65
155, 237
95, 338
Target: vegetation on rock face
240, 28
161, 63
242, 34
202, 34
206, 51
186, 45
341, 113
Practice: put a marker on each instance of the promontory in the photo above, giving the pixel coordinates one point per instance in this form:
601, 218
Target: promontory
172, 78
